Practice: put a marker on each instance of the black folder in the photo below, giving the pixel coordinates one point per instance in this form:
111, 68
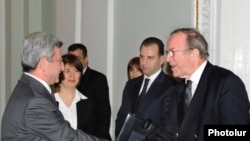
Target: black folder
135, 129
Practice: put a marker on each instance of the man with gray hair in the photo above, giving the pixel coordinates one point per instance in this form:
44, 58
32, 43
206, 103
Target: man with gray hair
31, 113
207, 96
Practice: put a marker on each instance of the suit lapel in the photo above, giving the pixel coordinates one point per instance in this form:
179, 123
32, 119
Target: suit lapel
136, 94
84, 110
193, 115
180, 100
84, 82
152, 92
38, 87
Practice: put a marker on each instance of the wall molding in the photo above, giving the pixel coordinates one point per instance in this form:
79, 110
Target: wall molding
207, 22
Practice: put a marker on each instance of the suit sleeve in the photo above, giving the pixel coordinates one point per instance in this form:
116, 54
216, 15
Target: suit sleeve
122, 112
233, 103
43, 119
165, 130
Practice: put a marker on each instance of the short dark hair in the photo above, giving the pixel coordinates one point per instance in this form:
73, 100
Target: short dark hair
73, 60
80, 46
153, 40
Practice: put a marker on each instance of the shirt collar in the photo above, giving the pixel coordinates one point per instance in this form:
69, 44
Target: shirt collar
84, 70
195, 77
153, 77
46, 85
77, 98
80, 96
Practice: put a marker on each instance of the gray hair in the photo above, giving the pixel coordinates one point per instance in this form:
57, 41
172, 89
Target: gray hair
195, 40
35, 46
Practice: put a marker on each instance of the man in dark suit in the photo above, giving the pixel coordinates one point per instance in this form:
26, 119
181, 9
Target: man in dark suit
218, 96
31, 113
151, 106
94, 85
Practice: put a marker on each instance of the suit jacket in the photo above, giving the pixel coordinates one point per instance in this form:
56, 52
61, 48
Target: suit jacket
153, 104
31, 114
85, 115
220, 98
94, 85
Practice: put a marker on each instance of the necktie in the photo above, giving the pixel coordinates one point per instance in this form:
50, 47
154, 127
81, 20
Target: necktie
53, 96
144, 89
143, 92
188, 93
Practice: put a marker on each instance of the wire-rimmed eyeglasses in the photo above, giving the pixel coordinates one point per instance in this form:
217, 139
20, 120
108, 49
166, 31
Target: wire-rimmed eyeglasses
172, 52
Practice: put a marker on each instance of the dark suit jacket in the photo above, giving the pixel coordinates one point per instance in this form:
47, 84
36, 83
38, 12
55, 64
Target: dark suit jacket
85, 116
32, 115
220, 98
94, 85
152, 105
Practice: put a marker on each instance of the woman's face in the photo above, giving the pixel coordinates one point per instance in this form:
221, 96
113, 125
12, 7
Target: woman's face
71, 76
134, 72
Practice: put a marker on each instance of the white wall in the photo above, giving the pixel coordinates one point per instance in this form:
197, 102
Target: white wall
235, 34
225, 25
114, 29
133, 22
65, 22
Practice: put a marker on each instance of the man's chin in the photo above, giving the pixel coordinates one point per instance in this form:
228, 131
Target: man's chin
175, 74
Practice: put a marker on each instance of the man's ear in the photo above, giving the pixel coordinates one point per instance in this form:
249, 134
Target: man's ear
195, 53
86, 60
162, 59
42, 64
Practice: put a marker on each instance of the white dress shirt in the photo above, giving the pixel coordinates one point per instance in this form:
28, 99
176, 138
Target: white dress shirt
152, 78
195, 78
70, 113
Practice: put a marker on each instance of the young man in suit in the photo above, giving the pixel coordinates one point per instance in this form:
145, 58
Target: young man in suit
94, 85
31, 113
218, 96
151, 105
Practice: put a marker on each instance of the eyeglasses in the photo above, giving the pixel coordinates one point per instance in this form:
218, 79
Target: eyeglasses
172, 52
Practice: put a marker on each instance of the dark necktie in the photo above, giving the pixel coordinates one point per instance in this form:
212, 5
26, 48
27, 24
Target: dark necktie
53, 96
142, 94
144, 89
188, 93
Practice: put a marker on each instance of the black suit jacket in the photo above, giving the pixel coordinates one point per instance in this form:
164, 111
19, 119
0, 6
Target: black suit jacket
154, 103
94, 85
32, 114
85, 116
220, 98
